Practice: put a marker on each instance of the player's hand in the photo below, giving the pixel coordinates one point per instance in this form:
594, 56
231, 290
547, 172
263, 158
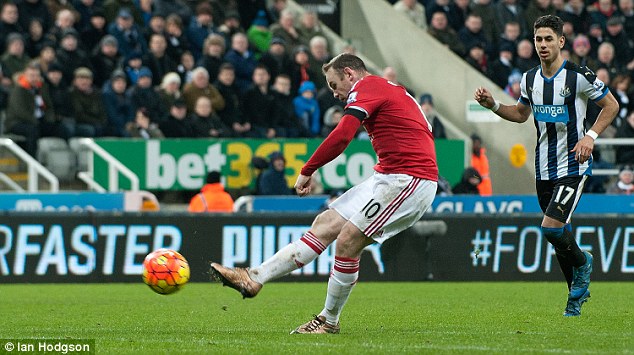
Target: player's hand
302, 185
583, 149
484, 97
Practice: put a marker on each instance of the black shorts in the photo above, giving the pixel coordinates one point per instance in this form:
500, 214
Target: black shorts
559, 198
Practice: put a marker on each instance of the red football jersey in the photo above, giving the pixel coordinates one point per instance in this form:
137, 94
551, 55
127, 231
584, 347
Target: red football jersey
400, 134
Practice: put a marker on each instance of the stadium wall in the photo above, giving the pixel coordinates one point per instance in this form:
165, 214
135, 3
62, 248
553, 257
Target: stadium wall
110, 247
388, 38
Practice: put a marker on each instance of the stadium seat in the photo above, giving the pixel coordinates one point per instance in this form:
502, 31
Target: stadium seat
56, 156
81, 153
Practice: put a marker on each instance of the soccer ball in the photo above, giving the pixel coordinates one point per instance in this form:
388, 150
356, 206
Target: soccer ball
165, 271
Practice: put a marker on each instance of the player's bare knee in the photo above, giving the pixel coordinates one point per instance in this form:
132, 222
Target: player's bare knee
327, 226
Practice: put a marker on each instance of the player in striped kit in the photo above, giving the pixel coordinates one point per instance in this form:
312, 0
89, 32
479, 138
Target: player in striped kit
393, 199
556, 92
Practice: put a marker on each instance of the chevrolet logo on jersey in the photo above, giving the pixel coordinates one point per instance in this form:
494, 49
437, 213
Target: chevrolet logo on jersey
551, 113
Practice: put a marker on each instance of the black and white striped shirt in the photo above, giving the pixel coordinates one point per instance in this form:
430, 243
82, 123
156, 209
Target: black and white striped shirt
559, 111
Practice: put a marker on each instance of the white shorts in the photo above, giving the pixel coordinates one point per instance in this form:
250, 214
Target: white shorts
386, 204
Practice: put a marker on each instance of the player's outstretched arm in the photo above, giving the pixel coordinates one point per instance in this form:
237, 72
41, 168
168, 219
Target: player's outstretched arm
329, 149
515, 113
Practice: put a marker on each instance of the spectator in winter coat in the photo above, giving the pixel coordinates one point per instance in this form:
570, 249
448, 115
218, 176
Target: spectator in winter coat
273, 180
307, 109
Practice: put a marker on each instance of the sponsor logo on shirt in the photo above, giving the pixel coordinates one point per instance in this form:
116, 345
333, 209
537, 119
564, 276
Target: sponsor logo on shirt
550, 113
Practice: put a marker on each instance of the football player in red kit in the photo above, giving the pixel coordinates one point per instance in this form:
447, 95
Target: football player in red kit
393, 199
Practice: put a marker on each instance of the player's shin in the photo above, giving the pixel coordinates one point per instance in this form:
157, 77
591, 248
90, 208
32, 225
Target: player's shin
565, 244
342, 279
291, 257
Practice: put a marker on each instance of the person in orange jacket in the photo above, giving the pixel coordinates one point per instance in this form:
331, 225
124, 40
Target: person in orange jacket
212, 196
480, 162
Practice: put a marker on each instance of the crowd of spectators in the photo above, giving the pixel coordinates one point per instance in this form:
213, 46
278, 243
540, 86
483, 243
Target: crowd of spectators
232, 68
161, 68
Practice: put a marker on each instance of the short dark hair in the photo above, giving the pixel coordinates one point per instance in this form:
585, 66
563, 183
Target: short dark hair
553, 22
344, 60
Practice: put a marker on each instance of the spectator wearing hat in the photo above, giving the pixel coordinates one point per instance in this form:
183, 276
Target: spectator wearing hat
71, 55
200, 86
243, 61
127, 32
581, 53
157, 60
118, 104
469, 182
258, 105
106, 58
178, 123
272, 181
30, 111
169, 90
177, 42
212, 197
59, 94
285, 29
332, 117
213, 53
200, 27
309, 28
14, 59
87, 102
231, 114
9, 24
92, 34
259, 35
230, 26
30, 10
426, 102
623, 45
307, 109
113, 9
513, 87
143, 95
132, 65
276, 59
625, 184
502, 66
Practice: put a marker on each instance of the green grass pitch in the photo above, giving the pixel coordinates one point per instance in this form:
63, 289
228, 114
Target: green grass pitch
380, 318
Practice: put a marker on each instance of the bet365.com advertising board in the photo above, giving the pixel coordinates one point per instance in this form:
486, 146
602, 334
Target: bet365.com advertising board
182, 164
111, 247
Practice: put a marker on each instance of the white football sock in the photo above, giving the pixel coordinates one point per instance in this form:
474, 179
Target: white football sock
289, 258
343, 277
